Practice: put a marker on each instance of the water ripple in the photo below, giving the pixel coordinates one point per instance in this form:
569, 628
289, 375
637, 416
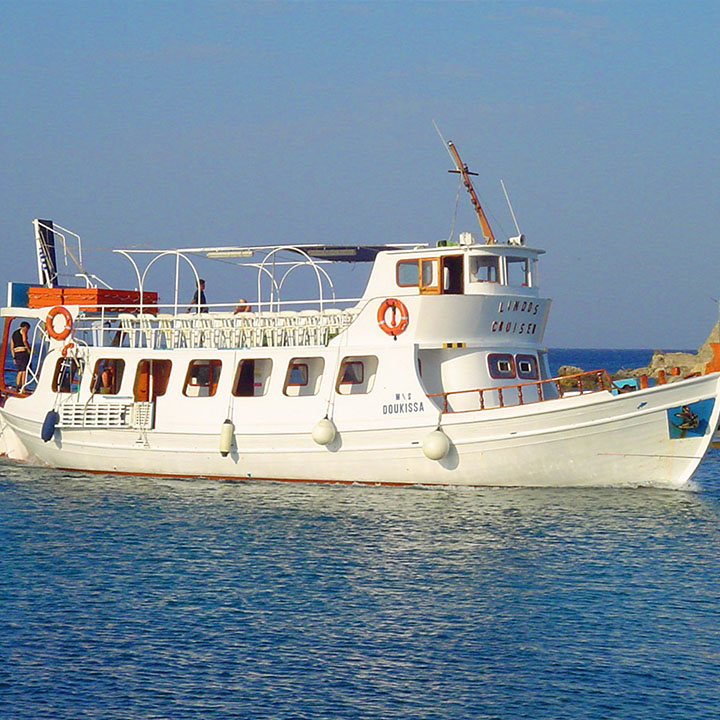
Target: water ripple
161, 598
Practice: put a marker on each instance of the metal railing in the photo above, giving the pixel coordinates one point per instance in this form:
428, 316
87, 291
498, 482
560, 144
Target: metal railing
214, 329
528, 392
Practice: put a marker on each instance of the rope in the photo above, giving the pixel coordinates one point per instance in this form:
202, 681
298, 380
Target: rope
454, 217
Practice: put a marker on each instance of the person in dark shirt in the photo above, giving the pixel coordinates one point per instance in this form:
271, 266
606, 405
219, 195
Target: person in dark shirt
200, 304
20, 349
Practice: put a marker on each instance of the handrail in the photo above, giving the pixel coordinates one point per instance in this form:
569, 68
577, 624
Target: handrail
566, 383
215, 329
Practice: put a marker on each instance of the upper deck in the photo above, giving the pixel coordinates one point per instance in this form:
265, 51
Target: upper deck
459, 293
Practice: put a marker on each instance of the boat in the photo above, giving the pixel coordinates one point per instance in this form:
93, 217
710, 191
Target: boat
434, 374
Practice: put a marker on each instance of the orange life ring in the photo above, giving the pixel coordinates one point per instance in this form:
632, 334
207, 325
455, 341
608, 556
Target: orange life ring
49, 326
396, 324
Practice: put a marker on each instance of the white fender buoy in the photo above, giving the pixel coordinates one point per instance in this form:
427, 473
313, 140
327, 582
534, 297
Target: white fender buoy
324, 432
436, 445
226, 436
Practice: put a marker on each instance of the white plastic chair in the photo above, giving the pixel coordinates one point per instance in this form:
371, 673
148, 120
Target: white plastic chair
184, 329
287, 327
244, 325
309, 327
330, 324
223, 329
166, 329
147, 329
128, 328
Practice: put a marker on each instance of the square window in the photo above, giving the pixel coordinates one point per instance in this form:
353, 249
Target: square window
107, 376
202, 378
527, 367
484, 268
501, 366
407, 273
352, 373
298, 374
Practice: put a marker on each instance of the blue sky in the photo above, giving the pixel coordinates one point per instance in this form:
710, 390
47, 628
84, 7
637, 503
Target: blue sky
163, 123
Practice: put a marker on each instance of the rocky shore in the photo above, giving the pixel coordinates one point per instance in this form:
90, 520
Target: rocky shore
671, 366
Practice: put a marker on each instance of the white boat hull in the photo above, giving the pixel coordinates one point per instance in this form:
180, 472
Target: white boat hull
588, 440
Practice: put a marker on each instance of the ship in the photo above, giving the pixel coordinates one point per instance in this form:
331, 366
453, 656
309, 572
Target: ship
435, 374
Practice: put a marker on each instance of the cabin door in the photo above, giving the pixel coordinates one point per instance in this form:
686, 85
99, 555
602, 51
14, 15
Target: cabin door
452, 275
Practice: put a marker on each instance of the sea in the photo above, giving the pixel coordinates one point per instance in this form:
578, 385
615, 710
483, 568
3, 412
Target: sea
138, 597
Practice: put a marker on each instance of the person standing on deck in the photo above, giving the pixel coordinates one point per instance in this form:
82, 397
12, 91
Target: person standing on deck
20, 349
199, 302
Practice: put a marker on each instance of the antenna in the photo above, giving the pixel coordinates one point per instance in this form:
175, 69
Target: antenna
444, 142
507, 198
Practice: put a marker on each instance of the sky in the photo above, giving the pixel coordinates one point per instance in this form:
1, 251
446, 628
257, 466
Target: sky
162, 124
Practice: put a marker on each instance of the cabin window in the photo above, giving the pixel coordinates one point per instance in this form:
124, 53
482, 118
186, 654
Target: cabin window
518, 271
298, 374
303, 377
151, 379
107, 376
202, 378
407, 273
430, 276
357, 375
484, 268
352, 373
527, 367
501, 366
252, 377
68, 374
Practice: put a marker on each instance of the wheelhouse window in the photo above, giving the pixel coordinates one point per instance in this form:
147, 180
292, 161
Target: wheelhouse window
107, 376
406, 273
202, 378
151, 379
527, 367
252, 377
356, 375
501, 366
518, 271
303, 377
68, 375
484, 268
430, 276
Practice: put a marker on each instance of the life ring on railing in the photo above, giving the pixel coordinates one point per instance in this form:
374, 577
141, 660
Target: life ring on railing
67, 348
396, 324
49, 323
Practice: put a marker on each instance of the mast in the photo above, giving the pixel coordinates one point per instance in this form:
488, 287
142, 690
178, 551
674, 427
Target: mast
462, 169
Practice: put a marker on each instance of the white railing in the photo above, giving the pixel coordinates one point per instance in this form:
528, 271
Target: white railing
217, 329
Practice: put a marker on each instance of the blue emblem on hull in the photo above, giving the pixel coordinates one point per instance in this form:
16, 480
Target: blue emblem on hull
690, 420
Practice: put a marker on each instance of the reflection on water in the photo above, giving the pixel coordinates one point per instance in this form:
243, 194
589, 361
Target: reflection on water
144, 598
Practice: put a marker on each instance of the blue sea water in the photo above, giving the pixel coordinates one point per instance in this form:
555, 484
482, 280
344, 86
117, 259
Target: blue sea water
127, 597
595, 359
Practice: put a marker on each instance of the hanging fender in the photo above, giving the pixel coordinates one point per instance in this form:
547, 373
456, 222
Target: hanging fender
398, 320
50, 323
